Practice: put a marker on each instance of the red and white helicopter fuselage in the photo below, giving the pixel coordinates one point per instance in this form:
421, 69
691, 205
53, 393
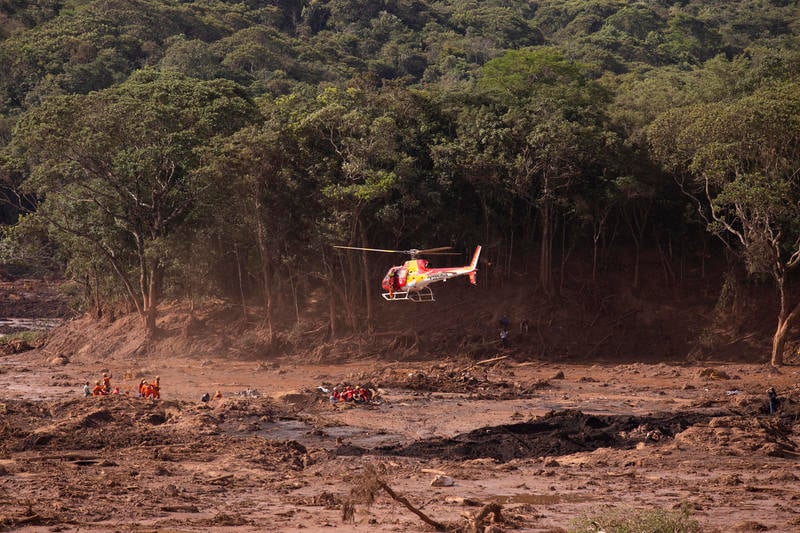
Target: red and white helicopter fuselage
411, 280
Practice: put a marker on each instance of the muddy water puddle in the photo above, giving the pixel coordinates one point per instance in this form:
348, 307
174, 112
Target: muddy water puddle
13, 325
319, 437
541, 499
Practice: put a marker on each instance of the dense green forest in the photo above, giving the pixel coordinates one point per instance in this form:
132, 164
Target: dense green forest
175, 148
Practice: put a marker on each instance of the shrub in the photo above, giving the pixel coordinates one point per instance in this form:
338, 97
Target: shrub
626, 520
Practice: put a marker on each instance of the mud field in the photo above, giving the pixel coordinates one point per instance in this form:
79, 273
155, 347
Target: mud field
546, 443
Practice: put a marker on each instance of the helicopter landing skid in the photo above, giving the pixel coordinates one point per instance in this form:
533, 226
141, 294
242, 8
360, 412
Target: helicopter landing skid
424, 295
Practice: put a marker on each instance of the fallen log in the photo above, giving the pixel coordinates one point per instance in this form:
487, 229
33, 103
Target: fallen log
180, 508
492, 360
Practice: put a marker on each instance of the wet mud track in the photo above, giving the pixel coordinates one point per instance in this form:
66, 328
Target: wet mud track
555, 434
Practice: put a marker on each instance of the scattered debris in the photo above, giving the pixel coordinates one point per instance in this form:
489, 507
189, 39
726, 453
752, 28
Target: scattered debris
442, 481
713, 373
492, 360
556, 433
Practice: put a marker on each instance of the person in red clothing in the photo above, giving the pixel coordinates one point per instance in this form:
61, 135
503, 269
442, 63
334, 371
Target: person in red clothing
107, 383
364, 394
348, 394
335, 396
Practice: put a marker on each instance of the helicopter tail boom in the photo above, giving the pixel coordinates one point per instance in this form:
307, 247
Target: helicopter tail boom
474, 264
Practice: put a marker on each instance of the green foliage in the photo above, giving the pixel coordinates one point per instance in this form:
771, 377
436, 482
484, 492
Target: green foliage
26, 248
129, 124
541, 72
30, 337
623, 520
116, 169
742, 155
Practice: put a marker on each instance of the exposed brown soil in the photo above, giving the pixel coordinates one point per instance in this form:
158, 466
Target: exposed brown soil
546, 439
31, 298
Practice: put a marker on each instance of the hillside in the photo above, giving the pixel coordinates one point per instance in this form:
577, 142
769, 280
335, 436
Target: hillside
600, 151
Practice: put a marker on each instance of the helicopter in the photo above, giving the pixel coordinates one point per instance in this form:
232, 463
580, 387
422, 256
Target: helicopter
410, 281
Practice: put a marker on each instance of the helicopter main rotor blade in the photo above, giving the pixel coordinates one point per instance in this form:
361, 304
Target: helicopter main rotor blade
370, 249
431, 250
412, 252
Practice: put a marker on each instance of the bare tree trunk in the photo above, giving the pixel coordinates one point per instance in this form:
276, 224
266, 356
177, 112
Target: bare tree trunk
367, 282
486, 224
786, 319
546, 249
239, 273
637, 222
295, 300
510, 256
779, 342
98, 308
152, 297
595, 238
332, 308
265, 274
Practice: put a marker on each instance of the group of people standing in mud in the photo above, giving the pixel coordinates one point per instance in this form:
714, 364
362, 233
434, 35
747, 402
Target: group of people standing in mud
103, 388
357, 394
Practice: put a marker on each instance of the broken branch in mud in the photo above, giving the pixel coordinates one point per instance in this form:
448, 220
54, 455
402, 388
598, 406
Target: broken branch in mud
477, 523
11, 521
492, 360
371, 484
188, 508
425, 518
366, 490
226, 478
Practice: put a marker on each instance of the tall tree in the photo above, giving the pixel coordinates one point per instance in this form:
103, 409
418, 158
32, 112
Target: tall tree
116, 168
257, 167
741, 163
553, 114
353, 145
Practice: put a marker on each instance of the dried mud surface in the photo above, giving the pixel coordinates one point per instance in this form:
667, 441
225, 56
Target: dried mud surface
546, 441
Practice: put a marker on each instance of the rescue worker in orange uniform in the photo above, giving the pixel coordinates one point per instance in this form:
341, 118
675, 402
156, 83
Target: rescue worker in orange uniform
153, 388
98, 389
